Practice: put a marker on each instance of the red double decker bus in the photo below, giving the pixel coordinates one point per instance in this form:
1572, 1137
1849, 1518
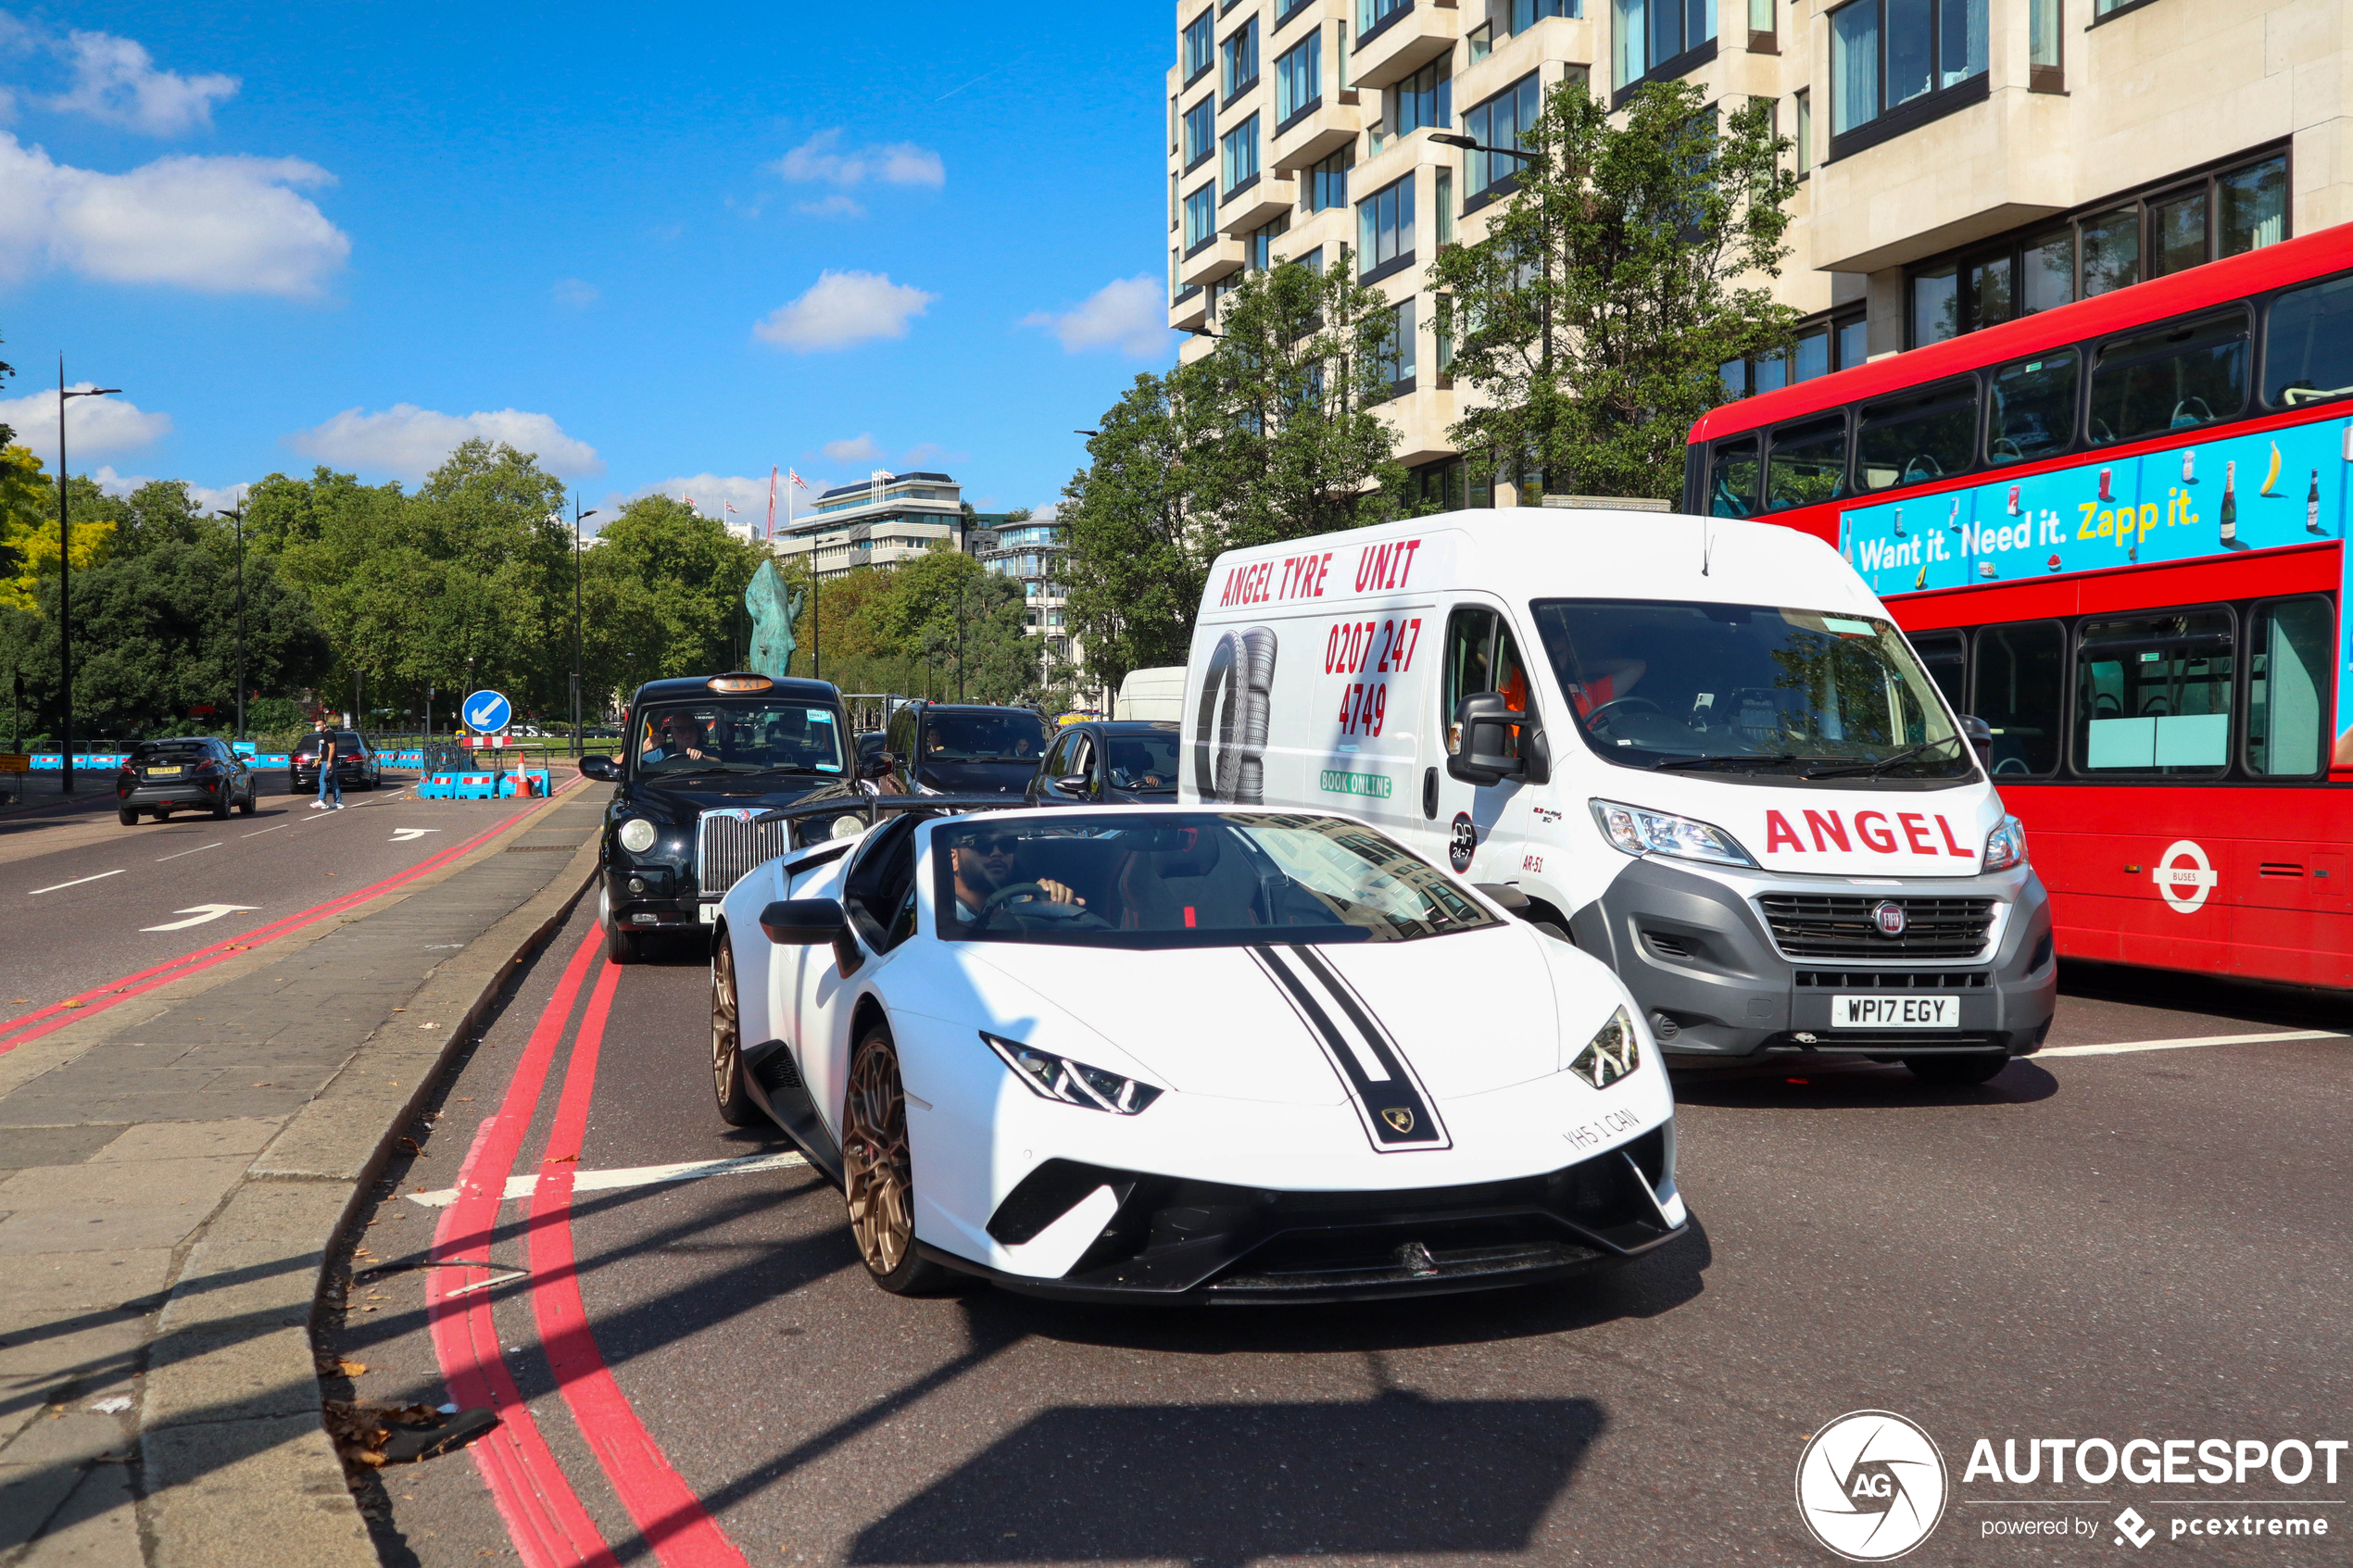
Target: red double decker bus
2116, 530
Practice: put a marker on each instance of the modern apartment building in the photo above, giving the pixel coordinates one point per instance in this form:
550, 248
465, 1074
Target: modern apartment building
889, 518
1030, 553
1961, 161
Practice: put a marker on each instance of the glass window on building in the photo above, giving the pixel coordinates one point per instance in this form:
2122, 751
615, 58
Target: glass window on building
1853, 338
1885, 54
2020, 680
1423, 99
2177, 232
1500, 121
1397, 348
1241, 58
1810, 355
2307, 344
2152, 694
2046, 272
1936, 304
1385, 226
2288, 689
1241, 155
1651, 35
1258, 251
2111, 244
1299, 78
1370, 13
1527, 13
1326, 182
1201, 218
1804, 132
1201, 132
2253, 204
1200, 51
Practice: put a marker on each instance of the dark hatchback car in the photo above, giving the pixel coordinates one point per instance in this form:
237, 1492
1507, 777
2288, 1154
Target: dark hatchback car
703, 759
356, 766
958, 749
1126, 761
160, 777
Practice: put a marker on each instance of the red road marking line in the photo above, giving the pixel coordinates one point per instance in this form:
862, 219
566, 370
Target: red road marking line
543, 1515
667, 1512
104, 996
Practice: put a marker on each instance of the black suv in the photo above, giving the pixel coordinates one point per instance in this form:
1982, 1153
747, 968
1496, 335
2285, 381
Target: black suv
703, 759
958, 749
193, 774
356, 764
1123, 762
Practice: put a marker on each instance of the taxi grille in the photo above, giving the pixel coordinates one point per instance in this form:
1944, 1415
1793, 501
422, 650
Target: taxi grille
731, 842
1836, 926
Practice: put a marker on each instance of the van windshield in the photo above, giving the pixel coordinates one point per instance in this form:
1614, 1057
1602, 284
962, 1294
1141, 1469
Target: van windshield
1748, 688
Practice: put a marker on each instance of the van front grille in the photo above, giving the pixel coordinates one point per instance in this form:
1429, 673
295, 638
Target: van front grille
1842, 925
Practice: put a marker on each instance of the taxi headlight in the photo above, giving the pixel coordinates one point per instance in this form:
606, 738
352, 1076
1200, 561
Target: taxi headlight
1638, 831
1610, 1055
2005, 846
637, 836
1072, 1083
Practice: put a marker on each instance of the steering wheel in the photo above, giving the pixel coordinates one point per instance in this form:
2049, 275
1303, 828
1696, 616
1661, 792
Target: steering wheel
1040, 907
2010, 765
1628, 703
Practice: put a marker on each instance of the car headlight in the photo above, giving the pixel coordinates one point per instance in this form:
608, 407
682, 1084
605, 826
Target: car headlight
1638, 831
2005, 846
1072, 1083
637, 836
923, 788
1610, 1055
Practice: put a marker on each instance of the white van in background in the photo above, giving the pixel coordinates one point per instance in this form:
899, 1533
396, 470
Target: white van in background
1698, 748
1152, 693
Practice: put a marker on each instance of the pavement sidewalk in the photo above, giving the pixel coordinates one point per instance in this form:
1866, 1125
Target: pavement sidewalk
172, 1174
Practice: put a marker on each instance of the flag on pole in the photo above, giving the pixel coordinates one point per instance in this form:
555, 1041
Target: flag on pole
797, 479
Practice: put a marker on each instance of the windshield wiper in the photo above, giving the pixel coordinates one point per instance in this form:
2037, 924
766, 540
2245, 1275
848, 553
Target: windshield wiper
1890, 761
1731, 760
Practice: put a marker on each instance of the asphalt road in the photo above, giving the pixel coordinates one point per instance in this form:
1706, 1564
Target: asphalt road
2150, 1243
79, 892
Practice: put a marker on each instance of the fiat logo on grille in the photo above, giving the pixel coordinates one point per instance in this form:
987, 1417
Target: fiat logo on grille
1888, 918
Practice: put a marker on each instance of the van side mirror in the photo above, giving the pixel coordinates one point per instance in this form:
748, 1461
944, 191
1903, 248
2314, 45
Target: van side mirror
1486, 723
1980, 735
603, 769
804, 922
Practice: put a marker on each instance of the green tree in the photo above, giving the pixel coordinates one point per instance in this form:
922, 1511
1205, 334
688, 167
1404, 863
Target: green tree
1590, 323
665, 587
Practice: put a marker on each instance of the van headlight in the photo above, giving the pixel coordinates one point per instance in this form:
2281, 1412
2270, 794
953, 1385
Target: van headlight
1638, 831
637, 836
2005, 846
1072, 1083
1610, 1055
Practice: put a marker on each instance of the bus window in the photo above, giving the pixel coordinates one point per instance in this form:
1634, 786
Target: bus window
1731, 486
2033, 412
1808, 464
1920, 436
2288, 688
1946, 656
2019, 678
2192, 373
2307, 347
2152, 694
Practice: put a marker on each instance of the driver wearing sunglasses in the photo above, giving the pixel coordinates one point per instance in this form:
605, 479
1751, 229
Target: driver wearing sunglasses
985, 867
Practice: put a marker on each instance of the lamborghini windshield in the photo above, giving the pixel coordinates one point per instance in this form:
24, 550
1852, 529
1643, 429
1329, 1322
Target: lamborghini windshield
766, 734
1748, 688
1191, 879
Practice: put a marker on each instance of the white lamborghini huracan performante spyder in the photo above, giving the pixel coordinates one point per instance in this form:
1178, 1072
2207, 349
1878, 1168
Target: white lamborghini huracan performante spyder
1181, 1055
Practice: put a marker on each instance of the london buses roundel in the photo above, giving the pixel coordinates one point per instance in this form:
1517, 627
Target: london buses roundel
2185, 876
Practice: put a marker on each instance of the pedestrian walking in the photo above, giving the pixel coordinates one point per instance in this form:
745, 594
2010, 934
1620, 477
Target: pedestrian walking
328, 783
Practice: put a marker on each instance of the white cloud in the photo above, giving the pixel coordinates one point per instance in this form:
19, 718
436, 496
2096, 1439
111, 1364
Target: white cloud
222, 225
843, 308
822, 159
856, 450
411, 441
1045, 513
930, 452
834, 206
1129, 314
575, 292
95, 427
115, 81
207, 498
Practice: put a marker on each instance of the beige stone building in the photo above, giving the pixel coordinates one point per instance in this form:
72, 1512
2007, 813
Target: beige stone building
1962, 161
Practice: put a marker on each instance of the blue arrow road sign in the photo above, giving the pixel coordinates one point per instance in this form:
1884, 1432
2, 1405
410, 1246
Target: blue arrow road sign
487, 712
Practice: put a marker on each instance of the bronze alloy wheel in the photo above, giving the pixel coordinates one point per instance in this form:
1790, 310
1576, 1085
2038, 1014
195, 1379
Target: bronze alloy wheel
878, 1176
726, 1041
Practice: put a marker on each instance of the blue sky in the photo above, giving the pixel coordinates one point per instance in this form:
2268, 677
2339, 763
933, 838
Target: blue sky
665, 246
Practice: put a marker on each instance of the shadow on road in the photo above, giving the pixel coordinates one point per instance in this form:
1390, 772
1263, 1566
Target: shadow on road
1794, 1084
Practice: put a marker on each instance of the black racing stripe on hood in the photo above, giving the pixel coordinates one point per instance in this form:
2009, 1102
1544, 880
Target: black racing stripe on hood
1396, 1113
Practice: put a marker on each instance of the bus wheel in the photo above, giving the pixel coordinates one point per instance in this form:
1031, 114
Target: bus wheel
1958, 1071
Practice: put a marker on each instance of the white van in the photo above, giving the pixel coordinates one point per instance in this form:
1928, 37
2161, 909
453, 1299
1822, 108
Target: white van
1699, 748
1158, 693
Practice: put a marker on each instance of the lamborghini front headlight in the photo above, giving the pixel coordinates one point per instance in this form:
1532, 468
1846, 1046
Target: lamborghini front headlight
1610, 1055
1072, 1083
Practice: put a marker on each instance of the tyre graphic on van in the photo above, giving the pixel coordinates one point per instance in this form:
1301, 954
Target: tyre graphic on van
1229, 726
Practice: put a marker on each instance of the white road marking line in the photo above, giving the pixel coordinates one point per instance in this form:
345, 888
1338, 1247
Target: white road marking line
630, 1176
197, 851
77, 882
404, 835
270, 830
2128, 1046
203, 912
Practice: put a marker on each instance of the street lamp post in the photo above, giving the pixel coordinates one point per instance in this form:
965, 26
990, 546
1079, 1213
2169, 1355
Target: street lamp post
578, 517
237, 516
65, 575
